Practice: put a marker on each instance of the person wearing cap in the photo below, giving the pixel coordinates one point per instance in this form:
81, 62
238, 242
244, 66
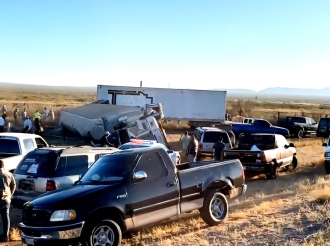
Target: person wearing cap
105, 140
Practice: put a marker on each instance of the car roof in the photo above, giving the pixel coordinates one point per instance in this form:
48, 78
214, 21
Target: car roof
68, 151
207, 128
18, 135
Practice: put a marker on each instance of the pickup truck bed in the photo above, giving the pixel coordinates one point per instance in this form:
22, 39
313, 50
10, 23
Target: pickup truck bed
144, 189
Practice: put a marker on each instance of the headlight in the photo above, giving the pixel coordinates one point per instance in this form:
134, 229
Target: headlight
327, 154
63, 215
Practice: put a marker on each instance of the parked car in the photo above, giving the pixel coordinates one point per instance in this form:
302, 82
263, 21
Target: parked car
139, 143
127, 190
269, 152
299, 126
14, 146
323, 129
327, 156
48, 169
208, 136
258, 126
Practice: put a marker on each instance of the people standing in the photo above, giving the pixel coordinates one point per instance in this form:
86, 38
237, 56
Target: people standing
36, 118
46, 112
24, 115
192, 149
16, 116
185, 141
52, 113
217, 149
2, 123
27, 125
7, 188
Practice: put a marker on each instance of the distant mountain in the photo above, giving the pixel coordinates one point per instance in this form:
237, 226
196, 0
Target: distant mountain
48, 88
296, 91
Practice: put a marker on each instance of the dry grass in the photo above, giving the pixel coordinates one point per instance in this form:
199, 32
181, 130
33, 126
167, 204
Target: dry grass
300, 220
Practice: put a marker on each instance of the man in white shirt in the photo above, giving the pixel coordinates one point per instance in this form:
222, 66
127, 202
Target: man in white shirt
46, 112
28, 125
2, 124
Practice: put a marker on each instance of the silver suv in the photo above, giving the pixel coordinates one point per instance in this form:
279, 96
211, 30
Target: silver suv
208, 136
51, 168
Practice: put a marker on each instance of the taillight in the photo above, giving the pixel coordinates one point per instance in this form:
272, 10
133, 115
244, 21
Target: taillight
243, 173
200, 146
263, 157
51, 185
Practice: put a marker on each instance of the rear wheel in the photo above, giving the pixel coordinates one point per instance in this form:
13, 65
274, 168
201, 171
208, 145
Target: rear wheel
327, 167
293, 164
215, 208
272, 171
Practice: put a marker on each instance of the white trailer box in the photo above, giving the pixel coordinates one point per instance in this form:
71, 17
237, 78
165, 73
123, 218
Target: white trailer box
178, 104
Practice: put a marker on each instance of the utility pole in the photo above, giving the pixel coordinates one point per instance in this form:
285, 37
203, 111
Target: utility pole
141, 83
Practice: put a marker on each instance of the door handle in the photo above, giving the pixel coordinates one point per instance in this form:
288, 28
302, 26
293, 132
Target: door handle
169, 184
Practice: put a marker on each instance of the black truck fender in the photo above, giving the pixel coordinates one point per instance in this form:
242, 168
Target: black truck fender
105, 212
221, 185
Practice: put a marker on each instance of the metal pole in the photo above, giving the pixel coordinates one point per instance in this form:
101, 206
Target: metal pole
141, 83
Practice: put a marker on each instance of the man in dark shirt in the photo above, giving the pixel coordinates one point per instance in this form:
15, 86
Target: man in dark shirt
105, 141
218, 147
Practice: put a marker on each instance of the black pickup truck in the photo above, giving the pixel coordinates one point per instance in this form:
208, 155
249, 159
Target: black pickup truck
299, 126
127, 190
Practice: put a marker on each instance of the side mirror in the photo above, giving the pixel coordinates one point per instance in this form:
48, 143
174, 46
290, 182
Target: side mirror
140, 176
170, 151
291, 145
325, 145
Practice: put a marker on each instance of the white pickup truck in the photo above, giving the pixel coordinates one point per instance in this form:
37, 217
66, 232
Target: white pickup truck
14, 146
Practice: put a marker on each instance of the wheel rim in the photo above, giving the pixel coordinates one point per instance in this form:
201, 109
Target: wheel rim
103, 235
217, 208
300, 134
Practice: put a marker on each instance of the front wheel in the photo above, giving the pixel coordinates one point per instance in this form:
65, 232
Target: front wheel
215, 208
104, 232
300, 133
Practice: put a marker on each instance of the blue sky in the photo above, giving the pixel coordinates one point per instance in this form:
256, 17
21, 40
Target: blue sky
182, 44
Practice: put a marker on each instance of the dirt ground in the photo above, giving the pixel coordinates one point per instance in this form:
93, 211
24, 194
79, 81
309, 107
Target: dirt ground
259, 191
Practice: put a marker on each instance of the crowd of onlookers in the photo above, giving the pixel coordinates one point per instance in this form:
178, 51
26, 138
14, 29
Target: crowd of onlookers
24, 119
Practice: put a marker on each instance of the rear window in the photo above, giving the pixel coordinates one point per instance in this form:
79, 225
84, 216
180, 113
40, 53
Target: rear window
9, 146
40, 163
296, 119
213, 137
324, 122
263, 142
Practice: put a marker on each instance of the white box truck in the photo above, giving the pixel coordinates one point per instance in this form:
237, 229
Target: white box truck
194, 106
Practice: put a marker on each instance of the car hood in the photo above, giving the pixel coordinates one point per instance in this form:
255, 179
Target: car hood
70, 195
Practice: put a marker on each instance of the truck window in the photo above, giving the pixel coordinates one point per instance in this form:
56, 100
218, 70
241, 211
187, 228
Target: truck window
213, 137
312, 121
28, 145
261, 123
39, 163
40, 143
152, 164
263, 142
9, 147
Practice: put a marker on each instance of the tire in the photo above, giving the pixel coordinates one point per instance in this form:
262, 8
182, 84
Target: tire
273, 171
300, 133
209, 209
101, 232
293, 164
327, 167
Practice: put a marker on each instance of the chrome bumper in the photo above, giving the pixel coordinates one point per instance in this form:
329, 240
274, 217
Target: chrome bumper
31, 235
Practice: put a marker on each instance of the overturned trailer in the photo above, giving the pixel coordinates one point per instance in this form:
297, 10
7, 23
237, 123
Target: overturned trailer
92, 120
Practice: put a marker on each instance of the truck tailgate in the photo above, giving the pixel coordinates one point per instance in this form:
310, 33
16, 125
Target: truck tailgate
245, 156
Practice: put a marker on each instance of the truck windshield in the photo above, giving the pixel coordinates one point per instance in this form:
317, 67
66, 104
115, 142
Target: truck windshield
109, 168
263, 142
9, 147
39, 163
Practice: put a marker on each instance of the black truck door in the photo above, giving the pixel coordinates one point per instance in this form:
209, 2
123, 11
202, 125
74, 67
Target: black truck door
157, 197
